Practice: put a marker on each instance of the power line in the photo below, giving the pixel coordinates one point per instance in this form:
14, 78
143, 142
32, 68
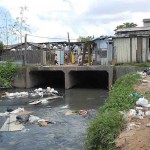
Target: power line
49, 37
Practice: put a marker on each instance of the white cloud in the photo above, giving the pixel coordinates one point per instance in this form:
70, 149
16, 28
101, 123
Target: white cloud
54, 18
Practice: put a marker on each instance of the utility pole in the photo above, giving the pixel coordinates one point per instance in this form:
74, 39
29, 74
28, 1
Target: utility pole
25, 51
69, 46
89, 53
68, 41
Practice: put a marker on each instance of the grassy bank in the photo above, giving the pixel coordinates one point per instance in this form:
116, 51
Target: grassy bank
109, 122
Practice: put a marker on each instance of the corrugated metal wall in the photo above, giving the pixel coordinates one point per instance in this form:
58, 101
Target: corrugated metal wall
110, 47
103, 52
131, 49
144, 53
134, 49
122, 47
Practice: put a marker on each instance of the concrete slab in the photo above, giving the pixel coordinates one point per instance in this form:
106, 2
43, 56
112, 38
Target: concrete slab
11, 125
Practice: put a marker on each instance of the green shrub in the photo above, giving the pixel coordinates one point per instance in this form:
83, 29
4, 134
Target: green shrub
108, 123
7, 73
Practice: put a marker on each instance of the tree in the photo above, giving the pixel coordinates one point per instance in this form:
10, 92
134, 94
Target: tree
10, 30
21, 25
126, 25
1, 48
5, 26
85, 39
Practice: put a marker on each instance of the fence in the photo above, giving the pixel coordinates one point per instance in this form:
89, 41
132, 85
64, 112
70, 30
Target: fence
30, 57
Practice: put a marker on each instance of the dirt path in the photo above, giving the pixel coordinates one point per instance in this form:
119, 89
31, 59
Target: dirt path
137, 134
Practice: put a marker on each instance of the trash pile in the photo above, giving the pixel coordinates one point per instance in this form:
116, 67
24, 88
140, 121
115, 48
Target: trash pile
146, 71
16, 119
136, 134
37, 93
141, 110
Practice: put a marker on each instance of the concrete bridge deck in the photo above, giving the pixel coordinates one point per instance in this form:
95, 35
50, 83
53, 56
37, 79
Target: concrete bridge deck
68, 76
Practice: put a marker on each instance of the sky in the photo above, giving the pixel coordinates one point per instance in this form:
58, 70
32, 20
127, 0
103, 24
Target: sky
56, 18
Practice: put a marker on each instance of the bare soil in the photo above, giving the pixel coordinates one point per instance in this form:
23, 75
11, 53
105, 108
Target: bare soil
137, 134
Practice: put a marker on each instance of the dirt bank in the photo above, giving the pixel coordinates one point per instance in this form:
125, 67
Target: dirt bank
137, 134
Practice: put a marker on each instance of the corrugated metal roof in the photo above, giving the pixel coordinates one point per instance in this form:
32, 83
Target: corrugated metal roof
133, 29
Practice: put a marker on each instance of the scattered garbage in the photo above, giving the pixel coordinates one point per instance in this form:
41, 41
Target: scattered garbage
37, 93
33, 119
147, 113
148, 125
131, 113
137, 95
42, 123
44, 100
16, 118
18, 110
11, 124
83, 112
15, 95
70, 112
9, 109
22, 118
142, 102
147, 92
65, 107
147, 71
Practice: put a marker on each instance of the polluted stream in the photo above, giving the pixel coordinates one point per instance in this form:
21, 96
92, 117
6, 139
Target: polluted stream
68, 132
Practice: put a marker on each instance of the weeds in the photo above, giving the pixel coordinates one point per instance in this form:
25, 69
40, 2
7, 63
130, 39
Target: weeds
7, 72
109, 122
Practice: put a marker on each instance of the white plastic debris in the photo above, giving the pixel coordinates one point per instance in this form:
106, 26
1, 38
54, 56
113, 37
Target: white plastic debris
139, 108
140, 113
147, 113
142, 102
17, 111
132, 113
33, 119
148, 105
4, 114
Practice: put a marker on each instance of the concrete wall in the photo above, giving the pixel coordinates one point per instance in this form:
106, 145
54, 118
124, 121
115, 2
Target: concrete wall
122, 70
31, 77
20, 78
71, 76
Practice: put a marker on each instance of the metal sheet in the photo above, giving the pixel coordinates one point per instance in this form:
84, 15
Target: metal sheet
122, 46
144, 43
134, 49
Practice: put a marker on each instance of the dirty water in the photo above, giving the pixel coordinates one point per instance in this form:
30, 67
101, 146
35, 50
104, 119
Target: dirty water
69, 131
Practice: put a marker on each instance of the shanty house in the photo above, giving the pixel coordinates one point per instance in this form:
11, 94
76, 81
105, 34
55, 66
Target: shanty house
133, 44
103, 50
132, 49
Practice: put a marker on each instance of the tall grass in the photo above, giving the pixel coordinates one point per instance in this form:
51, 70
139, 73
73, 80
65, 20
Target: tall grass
108, 123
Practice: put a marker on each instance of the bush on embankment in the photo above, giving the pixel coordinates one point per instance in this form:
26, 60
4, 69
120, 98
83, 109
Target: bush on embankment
7, 73
108, 123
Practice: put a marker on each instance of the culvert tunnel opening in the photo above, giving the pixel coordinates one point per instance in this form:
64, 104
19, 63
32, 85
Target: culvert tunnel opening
90, 79
55, 79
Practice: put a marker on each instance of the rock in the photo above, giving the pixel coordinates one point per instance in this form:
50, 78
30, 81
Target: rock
148, 125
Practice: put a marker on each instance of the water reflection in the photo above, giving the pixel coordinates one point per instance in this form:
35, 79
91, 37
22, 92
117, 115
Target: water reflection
85, 98
75, 99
